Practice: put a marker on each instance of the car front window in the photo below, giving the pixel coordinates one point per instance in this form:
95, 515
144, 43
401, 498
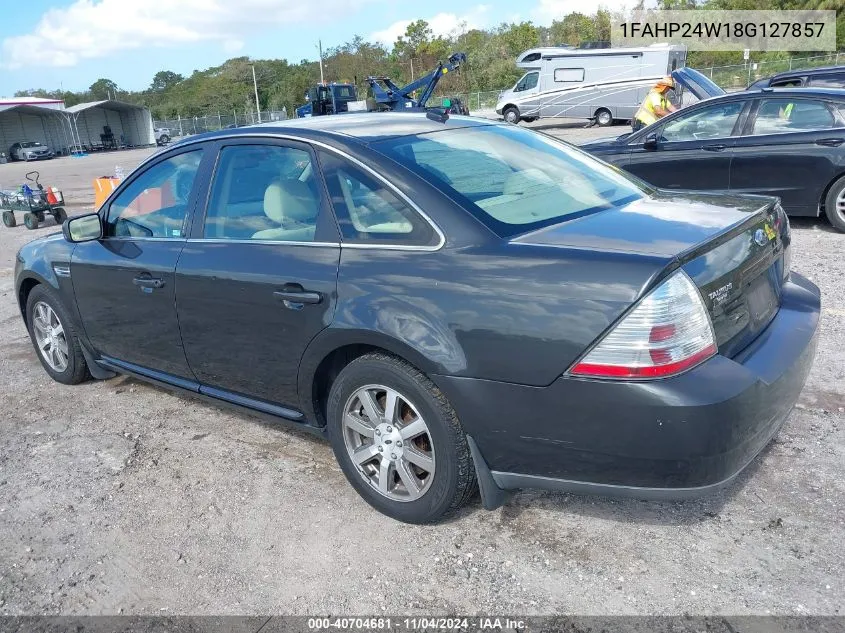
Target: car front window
716, 121
513, 180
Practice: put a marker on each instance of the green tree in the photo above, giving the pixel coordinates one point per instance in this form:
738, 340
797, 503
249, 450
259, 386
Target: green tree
103, 89
165, 79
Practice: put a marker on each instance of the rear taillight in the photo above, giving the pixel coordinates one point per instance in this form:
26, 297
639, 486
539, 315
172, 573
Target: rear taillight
668, 332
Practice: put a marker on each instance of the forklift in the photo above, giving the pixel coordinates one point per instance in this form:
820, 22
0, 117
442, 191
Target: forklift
339, 98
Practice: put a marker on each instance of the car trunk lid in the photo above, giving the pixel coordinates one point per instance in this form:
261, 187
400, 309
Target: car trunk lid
732, 247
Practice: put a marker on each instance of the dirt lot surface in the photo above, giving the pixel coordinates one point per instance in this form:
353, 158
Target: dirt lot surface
118, 497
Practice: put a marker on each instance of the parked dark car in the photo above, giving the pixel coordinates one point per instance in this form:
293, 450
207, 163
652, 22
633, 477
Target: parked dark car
788, 143
827, 77
448, 301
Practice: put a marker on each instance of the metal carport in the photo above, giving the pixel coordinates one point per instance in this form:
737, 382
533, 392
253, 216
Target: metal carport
132, 123
24, 122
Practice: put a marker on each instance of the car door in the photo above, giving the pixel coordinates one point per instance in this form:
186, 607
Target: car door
690, 150
258, 277
124, 283
528, 94
791, 147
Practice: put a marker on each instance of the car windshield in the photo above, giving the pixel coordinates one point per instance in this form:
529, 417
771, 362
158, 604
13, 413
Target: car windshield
511, 179
31, 144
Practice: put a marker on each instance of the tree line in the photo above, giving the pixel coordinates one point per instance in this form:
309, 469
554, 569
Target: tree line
228, 88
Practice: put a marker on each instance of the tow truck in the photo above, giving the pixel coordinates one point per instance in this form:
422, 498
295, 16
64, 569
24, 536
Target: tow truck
339, 98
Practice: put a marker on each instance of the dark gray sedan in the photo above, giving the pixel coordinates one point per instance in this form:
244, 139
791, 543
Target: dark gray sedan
451, 301
788, 143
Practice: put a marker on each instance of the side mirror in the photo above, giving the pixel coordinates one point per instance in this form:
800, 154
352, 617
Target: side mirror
650, 141
85, 228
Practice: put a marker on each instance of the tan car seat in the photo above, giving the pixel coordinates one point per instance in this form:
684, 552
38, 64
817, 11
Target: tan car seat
292, 205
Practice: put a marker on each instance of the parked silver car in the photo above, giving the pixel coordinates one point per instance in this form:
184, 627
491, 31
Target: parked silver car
30, 150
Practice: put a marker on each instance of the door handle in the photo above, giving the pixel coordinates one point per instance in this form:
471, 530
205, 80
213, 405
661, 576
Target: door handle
145, 281
714, 148
830, 142
296, 294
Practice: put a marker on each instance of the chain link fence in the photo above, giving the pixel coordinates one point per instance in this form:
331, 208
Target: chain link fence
484, 103
742, 75
188, 126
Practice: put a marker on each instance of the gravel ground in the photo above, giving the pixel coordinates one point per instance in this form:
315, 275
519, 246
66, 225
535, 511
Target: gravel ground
118, 497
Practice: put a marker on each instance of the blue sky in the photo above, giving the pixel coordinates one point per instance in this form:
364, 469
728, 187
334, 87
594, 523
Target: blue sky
71, 43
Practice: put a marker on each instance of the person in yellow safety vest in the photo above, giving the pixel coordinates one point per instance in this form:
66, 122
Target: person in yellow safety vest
656, 105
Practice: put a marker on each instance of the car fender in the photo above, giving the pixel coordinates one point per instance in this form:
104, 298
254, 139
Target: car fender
397, 329
47, 261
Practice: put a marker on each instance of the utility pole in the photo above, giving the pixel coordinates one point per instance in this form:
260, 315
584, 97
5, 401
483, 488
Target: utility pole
320, 48
255, 85
412, 69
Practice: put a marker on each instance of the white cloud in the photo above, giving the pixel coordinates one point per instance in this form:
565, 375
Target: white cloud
548, 10
441, 24
90, 29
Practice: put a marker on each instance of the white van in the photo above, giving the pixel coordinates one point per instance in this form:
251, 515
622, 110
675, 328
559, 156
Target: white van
604, 84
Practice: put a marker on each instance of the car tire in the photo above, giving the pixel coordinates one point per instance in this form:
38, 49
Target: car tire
423, 434
164, 140
603, 117
834, 205
511, 115
59, 215
31, 221
9, 219
60, 352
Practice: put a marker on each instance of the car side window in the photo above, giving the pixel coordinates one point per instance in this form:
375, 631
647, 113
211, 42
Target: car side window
368, 211
155, 204
777, 116
833, 80
793, 82
263, 192
715, 121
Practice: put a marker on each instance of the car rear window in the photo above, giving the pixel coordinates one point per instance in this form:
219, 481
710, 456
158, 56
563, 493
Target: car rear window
512, 179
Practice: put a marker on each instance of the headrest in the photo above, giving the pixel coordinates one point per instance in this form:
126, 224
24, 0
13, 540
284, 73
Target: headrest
286, 200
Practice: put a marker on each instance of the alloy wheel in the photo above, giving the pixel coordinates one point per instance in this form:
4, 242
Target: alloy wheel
840, 204
389, 442
50, 337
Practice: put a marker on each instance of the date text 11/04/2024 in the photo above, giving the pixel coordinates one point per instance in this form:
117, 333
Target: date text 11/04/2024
722, 29
415, 623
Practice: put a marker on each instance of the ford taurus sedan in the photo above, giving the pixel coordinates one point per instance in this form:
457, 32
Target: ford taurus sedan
788, 143
453, 302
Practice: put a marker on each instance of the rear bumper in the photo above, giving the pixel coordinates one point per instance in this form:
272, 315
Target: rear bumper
675, 438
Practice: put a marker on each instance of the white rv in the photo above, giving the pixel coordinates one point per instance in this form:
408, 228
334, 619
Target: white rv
604, 84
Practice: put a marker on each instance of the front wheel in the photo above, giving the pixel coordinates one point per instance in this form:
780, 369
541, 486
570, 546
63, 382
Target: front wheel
511, 115
603, 117
164, 140
834, 206
9, 219
31, 221
398, 440
54, 338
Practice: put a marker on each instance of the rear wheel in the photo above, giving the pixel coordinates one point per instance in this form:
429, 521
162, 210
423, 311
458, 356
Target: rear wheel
30, 220
398, 440
834, 206
9, 219
54, 338
164, 140
511, 114
59, 215
603, 117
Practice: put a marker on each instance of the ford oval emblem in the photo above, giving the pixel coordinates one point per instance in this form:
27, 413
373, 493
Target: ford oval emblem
760, 237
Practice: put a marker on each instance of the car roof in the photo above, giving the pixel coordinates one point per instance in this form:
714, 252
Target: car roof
830, 93
364, 127
800, 72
